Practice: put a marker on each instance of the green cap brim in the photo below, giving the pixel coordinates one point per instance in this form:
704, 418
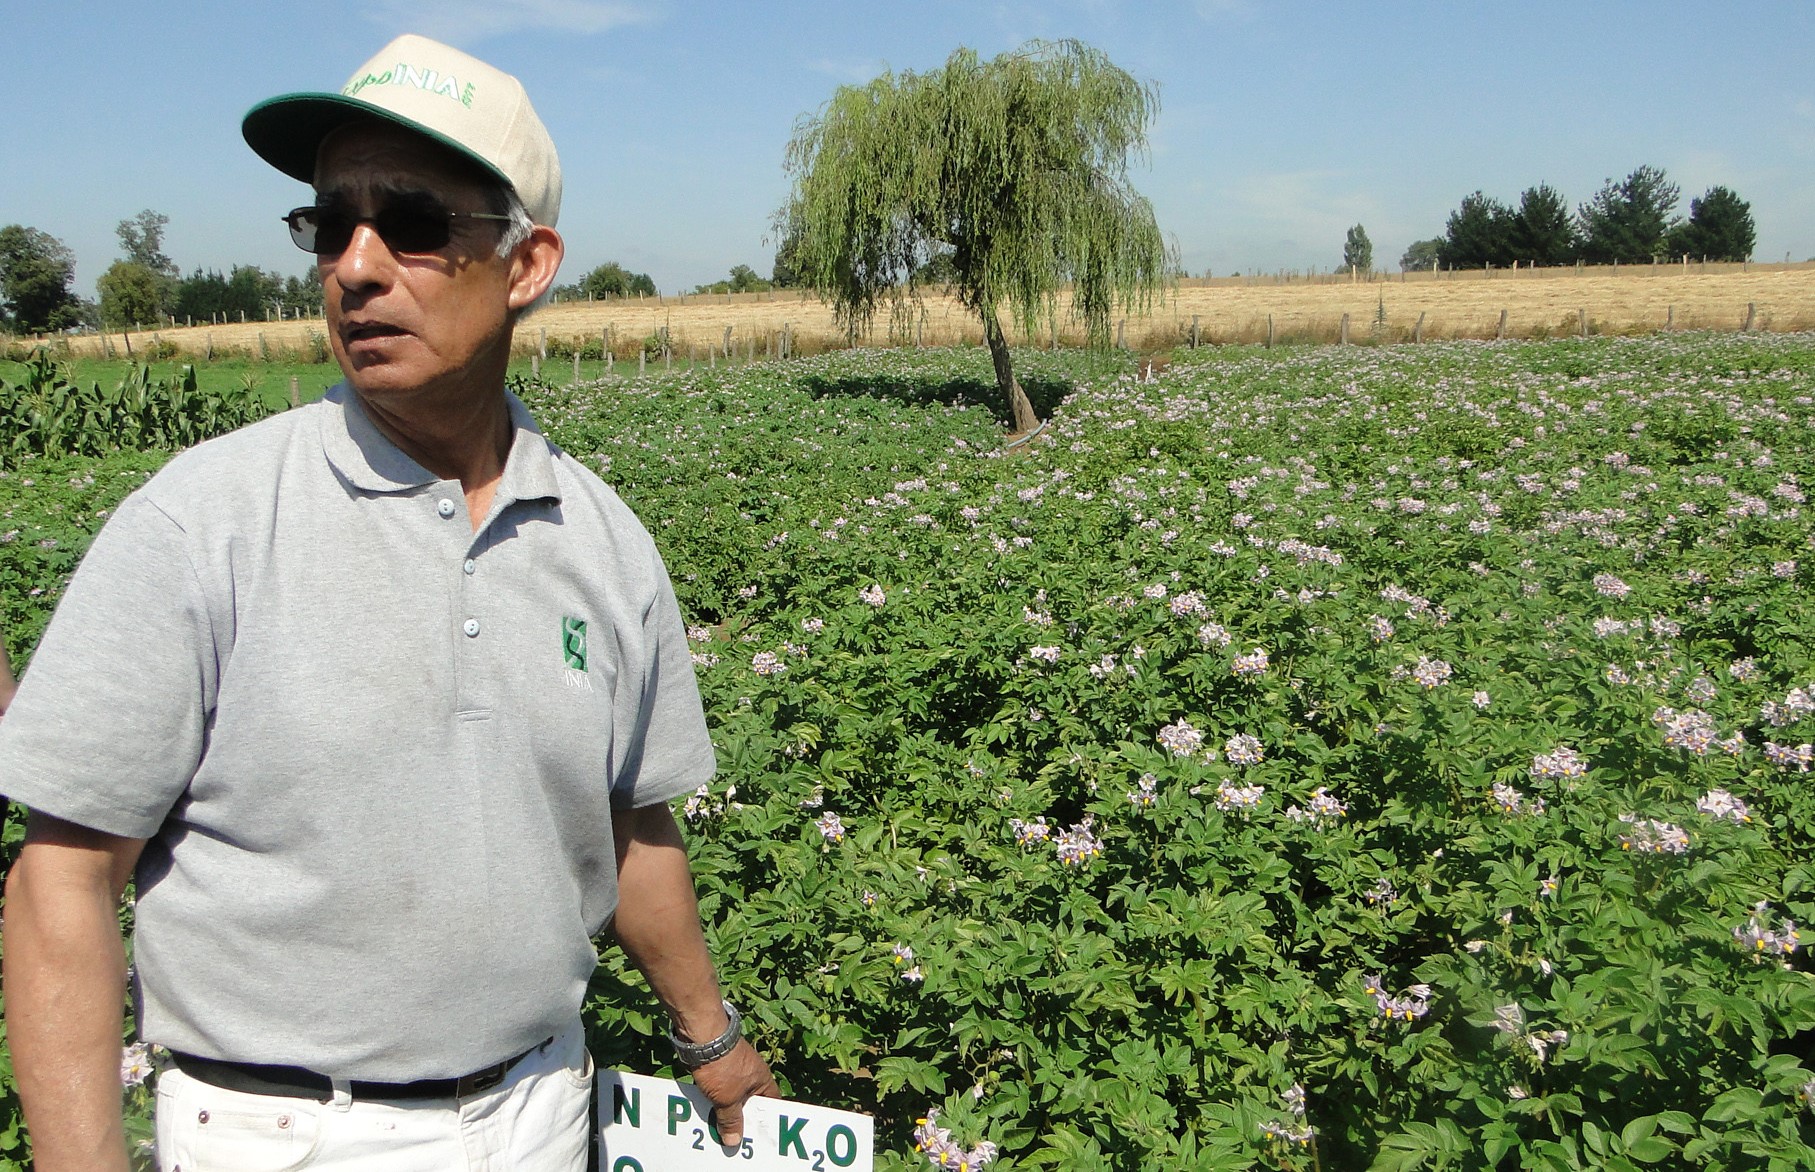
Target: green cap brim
287, 131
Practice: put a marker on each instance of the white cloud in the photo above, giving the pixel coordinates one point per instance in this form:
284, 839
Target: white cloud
470, 21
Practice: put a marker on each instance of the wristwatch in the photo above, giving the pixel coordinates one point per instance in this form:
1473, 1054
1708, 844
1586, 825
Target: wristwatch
694, 1055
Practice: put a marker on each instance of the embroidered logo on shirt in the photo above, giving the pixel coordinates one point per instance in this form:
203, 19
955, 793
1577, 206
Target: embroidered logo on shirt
573, 652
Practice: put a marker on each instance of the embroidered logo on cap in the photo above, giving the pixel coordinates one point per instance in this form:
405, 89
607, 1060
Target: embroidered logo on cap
445, 84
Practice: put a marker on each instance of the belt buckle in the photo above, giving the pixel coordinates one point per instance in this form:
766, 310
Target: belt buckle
481, 1080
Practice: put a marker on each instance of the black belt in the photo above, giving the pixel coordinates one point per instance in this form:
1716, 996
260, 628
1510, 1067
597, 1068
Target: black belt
294, 1082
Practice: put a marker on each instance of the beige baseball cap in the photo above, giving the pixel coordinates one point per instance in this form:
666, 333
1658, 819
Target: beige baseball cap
425, 86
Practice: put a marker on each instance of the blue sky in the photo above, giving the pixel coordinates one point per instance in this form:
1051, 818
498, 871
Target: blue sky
1281, 124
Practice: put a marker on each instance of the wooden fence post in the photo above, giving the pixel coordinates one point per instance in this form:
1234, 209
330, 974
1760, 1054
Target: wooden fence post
576, 364
1344, 338
295, 393
208, 347
1194, 331
1670, 319
1121, 334
642, 358
535, 366
542, 344
1269, 331
728, 343
1751, 316
1582, 321
1418, 330
1500, 334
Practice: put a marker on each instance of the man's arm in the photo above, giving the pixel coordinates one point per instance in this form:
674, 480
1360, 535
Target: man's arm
658, 926
7, 685
65, 986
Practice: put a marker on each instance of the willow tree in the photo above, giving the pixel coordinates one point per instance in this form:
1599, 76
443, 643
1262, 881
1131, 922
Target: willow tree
1006, 177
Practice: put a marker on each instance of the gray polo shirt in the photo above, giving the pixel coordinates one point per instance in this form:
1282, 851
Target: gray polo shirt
375, 753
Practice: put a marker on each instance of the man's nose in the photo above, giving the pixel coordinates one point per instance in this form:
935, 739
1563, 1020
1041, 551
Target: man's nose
365, 261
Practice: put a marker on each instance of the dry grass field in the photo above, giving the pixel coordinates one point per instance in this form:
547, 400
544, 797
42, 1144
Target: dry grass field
1537, 303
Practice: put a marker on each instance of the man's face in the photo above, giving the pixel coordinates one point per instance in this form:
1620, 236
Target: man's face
402, 323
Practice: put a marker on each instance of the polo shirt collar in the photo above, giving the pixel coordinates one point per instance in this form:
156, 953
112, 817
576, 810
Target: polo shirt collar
370, 462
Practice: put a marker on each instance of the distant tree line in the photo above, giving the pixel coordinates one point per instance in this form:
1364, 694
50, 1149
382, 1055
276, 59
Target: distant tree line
610, 279
143, 287
1629, 221
743, 279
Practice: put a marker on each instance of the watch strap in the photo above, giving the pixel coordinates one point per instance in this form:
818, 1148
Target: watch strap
693, 1055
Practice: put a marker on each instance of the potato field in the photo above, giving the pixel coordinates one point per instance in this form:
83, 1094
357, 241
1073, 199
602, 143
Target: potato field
1383, 756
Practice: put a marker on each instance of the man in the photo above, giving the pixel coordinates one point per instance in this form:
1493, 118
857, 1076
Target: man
7, 684
383, 698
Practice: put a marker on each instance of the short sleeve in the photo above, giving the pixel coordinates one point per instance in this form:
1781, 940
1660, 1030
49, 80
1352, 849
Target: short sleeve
668, 752
109, 722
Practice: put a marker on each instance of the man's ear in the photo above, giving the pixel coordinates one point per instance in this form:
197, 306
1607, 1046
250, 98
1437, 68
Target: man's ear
533, 266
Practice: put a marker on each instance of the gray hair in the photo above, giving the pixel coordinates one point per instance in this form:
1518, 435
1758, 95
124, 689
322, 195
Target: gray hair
503, 200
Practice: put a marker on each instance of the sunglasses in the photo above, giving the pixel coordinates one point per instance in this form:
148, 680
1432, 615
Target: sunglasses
404, 227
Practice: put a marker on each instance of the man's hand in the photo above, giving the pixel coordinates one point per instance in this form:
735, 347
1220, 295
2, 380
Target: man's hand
728, 1082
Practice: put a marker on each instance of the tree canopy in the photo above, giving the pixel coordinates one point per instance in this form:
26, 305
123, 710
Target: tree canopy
743, 279
1422, 256
1630, 220
141, 287
36, 270
1719, 227
247, 289
610, 279
131, 294
143, 239
1013, 169
1358, 250
1541, 231
1478, 234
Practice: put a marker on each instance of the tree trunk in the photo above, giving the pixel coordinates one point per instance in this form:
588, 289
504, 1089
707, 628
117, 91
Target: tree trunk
1021, 409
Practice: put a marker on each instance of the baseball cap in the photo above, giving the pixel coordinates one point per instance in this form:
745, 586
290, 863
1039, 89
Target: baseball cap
458, 100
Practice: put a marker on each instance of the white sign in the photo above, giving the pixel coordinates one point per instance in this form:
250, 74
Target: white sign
659, 1125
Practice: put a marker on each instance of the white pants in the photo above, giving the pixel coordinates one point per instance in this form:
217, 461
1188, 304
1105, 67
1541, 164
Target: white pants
537, 1120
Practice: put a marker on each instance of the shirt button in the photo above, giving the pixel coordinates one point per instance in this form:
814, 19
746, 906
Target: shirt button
445, 507
469, 565
471, 627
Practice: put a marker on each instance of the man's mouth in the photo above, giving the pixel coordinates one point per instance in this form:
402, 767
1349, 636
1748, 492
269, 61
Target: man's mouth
367, 331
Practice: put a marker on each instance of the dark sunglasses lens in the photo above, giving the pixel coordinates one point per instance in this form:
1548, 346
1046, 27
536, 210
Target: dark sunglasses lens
411, 229
403, 228
301, 222
333, 232
319, 232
